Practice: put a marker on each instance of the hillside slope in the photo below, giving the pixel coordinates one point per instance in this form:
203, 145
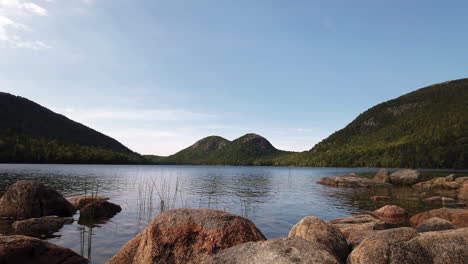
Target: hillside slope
32, 133
250, 149
427, 128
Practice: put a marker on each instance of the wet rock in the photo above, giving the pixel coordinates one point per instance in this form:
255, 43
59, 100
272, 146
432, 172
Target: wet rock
187, 236
433, 200
351, 182
380, 198
28, 250
434, 224
322, 235
463, 193
98, 210
405, 177
38, 227
448, 182
406, 245
391, 214
275, 251
27, 199
458, 217
352, 174
446, 200
83, 200
358, 227
382, 176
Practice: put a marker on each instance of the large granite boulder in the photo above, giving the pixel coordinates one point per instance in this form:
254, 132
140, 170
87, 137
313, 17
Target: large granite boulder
405, 245
38, 227
391, 214
458, 217
98, 210
276, 251
434, 224
28, 199
405, 177
28, 250
382, 176
83, 200
463, 193
322, 235
187, 236
356, 228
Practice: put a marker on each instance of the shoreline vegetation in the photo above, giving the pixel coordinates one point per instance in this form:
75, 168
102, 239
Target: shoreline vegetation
427, 128
212, 236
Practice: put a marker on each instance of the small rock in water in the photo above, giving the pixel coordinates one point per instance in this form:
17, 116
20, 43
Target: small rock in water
382, 176
39, 227
98, 210
83, 200
391, 214
458, 217
434, 224
405, 177
433, 200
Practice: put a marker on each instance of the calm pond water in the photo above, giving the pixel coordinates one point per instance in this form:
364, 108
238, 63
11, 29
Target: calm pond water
273, 198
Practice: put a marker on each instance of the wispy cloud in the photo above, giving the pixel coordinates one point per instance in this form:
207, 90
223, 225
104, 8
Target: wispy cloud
11, 28
135, 115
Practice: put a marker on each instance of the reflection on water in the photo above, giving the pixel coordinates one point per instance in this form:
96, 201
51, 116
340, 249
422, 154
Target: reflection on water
273, 198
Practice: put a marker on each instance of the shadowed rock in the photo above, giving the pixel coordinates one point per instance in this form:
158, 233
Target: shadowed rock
358, 227
38, 227
322, 235
83, 200
382, 176
187, 236
351, 181
28, 250
458, 217
27, 199
448, 182
463, 194
391, 214
275, 251
405, 177
406, 245
434, 224
380, 198
98, 211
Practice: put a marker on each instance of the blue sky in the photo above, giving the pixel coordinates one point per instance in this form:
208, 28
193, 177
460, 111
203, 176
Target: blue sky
159, 75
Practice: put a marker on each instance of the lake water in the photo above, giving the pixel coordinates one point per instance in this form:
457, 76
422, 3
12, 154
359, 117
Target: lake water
273, 198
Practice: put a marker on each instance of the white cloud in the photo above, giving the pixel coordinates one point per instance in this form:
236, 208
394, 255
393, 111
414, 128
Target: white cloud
12, 32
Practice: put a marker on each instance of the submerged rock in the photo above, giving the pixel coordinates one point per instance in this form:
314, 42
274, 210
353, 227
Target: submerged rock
405, 177
27, 199
382, 176
322, 235
187, 236
356, 228
433, 200
406, 245
391, 214
28, 250
458, 217
98, 210
275, 251
43, 226
434, 224
380, 198
83, 200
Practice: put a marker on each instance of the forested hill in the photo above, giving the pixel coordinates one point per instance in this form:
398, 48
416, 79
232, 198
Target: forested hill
427, 128
250, 149
35, 134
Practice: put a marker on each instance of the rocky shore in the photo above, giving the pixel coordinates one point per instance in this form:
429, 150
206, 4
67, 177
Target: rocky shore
213, 236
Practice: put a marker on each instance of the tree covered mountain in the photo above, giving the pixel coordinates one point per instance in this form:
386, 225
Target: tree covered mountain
32, 133
250, 149
427, 128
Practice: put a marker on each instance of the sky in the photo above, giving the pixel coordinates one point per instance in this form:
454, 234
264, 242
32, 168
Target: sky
159, 75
